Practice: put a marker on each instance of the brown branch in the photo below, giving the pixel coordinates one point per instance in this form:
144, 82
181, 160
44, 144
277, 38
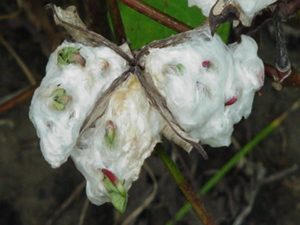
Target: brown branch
288, 9
83, 212
66, 203
117, 21
185, 188
16, 99
19, 61
292, 80
157, 15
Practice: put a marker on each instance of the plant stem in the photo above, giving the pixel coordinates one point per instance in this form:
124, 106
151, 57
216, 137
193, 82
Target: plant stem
211, 183
185, 188
156, 15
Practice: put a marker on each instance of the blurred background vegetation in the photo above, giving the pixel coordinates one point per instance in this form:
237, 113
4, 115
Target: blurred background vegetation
31, 193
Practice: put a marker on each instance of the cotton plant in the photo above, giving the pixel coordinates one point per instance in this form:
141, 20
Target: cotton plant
245, 10
108, 108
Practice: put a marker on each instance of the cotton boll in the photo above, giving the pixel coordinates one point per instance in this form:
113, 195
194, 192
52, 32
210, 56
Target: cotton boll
58, 125
133, 126
195, 86
194, 95
213, 87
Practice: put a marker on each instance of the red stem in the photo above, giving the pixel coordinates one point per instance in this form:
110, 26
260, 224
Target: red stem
157, 16
292, 80
15, 100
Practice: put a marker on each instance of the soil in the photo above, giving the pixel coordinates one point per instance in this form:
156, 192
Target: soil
31, 191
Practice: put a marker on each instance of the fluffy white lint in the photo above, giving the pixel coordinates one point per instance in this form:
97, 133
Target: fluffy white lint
249, 7
58, 130
208, 86
137, 128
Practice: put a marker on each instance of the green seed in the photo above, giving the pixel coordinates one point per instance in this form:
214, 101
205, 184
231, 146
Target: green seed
110, 133
68, 55
174, 69
60, 99
180, 68
117, 193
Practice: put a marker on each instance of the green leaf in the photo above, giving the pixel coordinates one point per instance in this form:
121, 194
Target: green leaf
141, 30
110, 133
68, 55
117, 194
119, 201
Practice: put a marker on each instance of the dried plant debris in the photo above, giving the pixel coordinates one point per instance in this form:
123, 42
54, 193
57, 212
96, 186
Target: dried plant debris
108, 113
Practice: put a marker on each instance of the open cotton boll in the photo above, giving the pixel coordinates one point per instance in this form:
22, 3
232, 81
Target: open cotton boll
120, 141
202, 78
249, 8
76, 75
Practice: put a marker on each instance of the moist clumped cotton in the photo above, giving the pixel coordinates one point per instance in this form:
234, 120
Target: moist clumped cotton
208, 87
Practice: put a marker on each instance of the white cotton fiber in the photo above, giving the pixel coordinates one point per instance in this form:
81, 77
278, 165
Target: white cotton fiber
58, 130
137, 126
201, 80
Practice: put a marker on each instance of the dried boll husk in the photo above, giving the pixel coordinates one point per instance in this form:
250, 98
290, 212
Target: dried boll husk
134, 128
209, 76
67, 94
248, 8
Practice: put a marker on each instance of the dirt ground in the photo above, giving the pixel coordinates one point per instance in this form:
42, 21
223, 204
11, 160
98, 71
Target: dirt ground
31, 193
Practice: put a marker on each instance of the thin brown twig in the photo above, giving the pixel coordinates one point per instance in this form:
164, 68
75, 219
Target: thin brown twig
18, 59
262, 181
185, 188
292, 80
281, 174
16, 99
83, 212
10, 15
150, 197
156, 15
66, 203
288, 8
